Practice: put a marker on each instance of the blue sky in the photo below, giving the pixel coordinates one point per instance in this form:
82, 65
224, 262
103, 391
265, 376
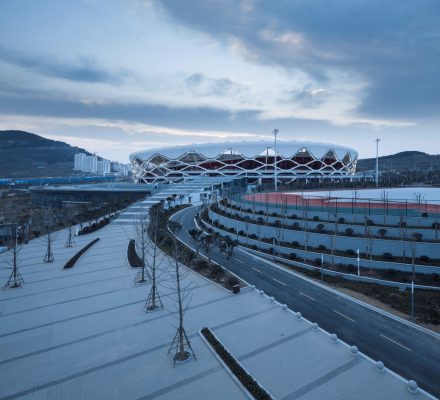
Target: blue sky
116, 76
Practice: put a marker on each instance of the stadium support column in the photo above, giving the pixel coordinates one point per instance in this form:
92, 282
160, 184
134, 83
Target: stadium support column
377, 162
275, 176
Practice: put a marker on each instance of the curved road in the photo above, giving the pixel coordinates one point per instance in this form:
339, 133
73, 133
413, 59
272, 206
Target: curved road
411, 352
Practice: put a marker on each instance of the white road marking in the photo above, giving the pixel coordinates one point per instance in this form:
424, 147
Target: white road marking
281, 283
310, 298
399, 344
343, 315
241, 262
256, 270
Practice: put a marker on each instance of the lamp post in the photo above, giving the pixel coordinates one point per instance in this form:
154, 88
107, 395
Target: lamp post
358, 262
377, 162
275, 133
322, 266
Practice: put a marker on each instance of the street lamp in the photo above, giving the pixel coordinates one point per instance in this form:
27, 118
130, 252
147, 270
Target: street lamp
358, 262
275, 133
322, 266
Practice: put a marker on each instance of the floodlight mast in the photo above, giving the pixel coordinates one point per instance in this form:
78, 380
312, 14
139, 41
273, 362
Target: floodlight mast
377, 162
275, 177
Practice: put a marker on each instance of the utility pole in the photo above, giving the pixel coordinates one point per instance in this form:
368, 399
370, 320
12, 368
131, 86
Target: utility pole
275, 133
377, 162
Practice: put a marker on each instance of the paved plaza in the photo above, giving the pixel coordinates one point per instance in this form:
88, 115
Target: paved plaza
82, 334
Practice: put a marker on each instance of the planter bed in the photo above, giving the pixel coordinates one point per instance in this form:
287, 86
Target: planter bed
71, 263
96, 226
251, 385
132, 256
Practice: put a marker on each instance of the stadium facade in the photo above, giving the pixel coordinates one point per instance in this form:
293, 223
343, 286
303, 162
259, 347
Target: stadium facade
250, 159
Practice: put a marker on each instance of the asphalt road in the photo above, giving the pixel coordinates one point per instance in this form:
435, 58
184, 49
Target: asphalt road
412, 353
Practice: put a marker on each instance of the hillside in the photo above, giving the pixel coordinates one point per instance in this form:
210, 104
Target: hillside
24, 154
406, 160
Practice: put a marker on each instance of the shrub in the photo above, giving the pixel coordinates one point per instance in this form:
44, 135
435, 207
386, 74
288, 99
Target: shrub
241, 233
370, 222
318, 262
425, 259
320, 228
322, 247
261, 212
436, 225
341, 220
382, 232
231, 281
349, 232
388, 256
417, 236
277, 223
350, 252
425, 215
292, 256
274, 214
296, 226
294, 216
85, 230
193, 232
316, 218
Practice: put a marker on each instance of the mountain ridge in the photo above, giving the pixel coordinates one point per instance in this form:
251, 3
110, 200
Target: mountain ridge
26, 154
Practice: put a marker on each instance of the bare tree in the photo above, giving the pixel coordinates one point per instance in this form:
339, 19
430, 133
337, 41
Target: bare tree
178, 348
154, 301
385, 201
15, 280
306, 227
69, 216
403, 234
356, 195
369, 242
416, 238
49, 221
209, 241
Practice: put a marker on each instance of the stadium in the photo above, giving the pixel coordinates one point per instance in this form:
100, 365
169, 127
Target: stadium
248, 159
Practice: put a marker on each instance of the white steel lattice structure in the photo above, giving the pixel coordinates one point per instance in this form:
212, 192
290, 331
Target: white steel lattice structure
251, 159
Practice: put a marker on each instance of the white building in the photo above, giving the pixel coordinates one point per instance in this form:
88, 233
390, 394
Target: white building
91, 164
79, 162
104, 167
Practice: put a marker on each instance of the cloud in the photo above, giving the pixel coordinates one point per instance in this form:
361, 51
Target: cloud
308, 97
81, 69
392, 46
207, 86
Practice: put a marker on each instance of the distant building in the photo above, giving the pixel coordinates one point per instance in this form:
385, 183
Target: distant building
120, 169
104, 167
79, 162
91, 164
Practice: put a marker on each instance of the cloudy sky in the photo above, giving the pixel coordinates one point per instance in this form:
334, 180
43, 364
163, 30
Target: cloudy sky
115, 76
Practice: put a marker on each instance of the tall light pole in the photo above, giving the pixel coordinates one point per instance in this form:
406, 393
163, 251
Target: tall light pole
377, 162
358, 260
275, 177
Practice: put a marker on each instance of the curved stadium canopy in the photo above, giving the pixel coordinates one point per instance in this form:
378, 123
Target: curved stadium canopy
252, 159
